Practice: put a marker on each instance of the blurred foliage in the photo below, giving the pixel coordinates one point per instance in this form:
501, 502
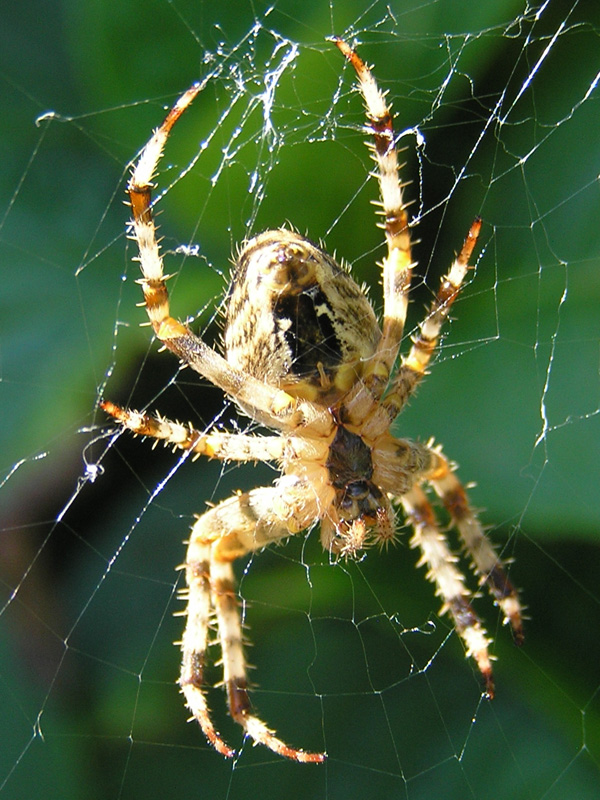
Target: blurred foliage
350, 655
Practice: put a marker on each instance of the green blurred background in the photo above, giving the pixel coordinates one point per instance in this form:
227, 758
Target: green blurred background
351, 657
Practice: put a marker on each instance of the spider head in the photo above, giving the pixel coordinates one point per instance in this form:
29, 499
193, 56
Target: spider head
365, 517
360, 515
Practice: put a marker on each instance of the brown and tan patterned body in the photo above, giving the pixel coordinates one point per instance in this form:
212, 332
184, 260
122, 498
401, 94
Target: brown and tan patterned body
306, 356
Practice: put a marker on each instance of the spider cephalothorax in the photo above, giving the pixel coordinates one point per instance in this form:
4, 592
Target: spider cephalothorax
306, 356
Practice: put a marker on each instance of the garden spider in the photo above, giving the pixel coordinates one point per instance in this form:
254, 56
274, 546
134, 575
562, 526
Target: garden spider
306, 357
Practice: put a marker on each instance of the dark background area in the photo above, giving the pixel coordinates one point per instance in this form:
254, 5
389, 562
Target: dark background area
351, 657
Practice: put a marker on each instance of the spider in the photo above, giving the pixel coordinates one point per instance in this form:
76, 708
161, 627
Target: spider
306, 357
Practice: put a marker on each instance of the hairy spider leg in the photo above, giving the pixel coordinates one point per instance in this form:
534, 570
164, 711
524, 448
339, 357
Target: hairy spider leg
414, 365
230, 530
486, 563
398, 263
448, 580
217, 444
398, 266
239, 525
268, 404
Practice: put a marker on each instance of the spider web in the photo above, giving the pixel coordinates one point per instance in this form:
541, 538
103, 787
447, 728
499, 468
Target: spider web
497, 106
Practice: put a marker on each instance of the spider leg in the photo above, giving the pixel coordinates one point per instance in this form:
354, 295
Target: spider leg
269, 405
241, 524
217, 444
195, 641
449, 581
486, 563
414, 365
398, 263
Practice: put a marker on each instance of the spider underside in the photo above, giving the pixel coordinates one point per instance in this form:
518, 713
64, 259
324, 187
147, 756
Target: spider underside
305, 356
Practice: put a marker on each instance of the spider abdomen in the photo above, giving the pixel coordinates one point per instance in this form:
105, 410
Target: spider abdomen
296, 318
